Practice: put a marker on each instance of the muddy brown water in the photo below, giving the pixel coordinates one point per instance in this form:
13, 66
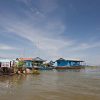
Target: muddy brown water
52, 85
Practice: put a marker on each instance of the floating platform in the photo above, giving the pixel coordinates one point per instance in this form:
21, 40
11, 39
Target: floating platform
7, 74
65, 68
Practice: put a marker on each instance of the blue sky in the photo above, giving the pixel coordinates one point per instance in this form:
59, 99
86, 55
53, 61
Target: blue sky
50, 29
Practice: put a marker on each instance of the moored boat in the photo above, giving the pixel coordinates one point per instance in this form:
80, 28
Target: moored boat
36, 72
64, 68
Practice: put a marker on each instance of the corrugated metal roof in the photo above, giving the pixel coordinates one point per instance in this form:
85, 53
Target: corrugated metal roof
38, 59
23, 59
77, 60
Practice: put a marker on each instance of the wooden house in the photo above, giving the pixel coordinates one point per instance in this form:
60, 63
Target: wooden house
63, 63
38, 61
6, 66
28, 62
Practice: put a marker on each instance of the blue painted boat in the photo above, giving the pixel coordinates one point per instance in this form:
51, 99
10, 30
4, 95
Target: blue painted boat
45, 68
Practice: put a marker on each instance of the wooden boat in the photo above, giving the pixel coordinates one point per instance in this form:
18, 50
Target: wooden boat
6, 71
36, 72
7, 74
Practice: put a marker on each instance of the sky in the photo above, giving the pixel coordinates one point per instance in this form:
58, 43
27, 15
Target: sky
50, 29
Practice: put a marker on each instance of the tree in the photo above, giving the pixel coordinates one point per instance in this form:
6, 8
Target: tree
21, 63
20, 66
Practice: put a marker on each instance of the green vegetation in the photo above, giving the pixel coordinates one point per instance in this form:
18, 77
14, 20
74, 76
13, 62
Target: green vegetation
20, 66
21, 63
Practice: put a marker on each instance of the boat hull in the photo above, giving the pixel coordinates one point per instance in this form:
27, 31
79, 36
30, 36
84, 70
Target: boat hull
65, 68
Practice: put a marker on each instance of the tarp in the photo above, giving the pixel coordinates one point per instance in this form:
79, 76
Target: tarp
5, 64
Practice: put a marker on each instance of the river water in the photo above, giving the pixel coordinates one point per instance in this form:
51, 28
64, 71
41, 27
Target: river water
52, 85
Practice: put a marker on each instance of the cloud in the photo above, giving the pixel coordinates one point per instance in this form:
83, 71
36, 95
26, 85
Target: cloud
45, 6
6, 47
43, 32
39, 23
84, 51
85, 46
45, 37
45, 41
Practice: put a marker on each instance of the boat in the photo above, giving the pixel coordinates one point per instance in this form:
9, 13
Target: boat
65, 68
6, 71
7, 74
45, 68
36, 72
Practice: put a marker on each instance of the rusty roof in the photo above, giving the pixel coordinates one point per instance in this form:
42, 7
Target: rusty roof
24, 59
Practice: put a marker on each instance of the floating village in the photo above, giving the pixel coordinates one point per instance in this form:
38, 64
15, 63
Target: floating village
35, 65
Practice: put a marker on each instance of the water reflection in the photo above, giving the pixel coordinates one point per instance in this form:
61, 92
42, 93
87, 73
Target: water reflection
16, 79
70, 70
52, 85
